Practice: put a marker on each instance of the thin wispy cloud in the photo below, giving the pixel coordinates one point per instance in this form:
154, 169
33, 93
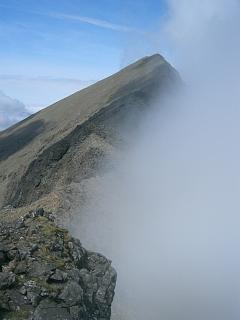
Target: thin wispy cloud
92, 21
78, 18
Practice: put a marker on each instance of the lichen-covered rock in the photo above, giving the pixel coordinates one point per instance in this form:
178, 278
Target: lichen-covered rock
47, 274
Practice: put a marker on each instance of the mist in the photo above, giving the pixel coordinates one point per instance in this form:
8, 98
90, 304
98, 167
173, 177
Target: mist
168, 215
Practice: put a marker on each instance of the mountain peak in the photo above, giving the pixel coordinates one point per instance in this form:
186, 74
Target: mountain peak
155, 58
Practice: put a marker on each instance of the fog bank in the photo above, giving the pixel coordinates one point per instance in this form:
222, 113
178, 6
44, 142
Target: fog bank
168, 215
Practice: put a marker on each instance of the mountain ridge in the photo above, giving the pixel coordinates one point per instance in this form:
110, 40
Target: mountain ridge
46, 151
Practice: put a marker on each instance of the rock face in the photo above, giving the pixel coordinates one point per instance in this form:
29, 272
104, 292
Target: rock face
47, 274
73, 138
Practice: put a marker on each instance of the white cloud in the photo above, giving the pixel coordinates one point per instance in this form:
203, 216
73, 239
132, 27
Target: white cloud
11, 111
202, 34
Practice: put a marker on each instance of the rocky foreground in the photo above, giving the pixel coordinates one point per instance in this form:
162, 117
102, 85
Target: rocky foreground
47, 274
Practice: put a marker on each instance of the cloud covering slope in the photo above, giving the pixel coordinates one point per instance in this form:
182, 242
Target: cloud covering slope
170, 214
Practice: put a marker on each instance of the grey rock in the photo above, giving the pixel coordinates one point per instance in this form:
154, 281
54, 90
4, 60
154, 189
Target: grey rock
38, 268
49, 310
78, 253
7, 280
38, 213
76, 312
11, 254
57, 247
3, 258
72, 294
49, 216
33, 296
16, 299
4, 302
97, 263
21, 268
105, 293
34, 248
20, 224
24, 253
74, 274
44, 292
89, 284
23, 290
70, 245
58, 276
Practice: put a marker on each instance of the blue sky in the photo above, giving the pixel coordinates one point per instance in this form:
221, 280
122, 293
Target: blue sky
49, 49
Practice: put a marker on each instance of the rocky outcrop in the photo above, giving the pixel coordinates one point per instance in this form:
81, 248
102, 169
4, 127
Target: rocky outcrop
45, 274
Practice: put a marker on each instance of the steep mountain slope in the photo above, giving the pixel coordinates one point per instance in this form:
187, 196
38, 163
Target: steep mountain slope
72, 139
